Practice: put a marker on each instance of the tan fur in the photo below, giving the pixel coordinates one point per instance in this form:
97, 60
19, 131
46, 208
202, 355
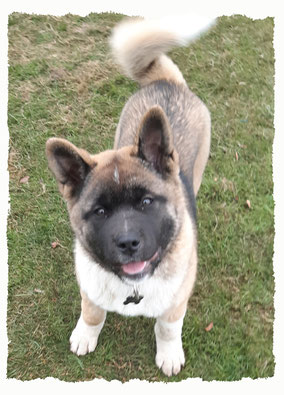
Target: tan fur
92, 314
190, 148
162, 68
186, 131
179, 308
140, 47
51, 145
54, 142
202, 156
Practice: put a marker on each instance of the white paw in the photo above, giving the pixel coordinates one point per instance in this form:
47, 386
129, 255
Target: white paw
170, 359
84, 337
170, 356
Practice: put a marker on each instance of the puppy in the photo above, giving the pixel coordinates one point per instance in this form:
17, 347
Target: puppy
132, 208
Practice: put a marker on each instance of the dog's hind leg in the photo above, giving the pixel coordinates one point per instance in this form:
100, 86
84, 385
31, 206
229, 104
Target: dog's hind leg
84, 337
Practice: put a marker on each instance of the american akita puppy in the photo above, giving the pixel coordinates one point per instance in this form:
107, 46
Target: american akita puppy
132, 208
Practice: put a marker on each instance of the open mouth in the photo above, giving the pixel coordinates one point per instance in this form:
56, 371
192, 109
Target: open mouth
140, 267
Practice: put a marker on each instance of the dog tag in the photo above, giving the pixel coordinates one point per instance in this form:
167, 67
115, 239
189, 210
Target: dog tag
136, 298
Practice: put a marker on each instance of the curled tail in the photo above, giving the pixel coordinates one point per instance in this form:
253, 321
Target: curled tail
139, 46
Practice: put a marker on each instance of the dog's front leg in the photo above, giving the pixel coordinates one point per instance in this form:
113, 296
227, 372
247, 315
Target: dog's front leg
84, 337
170, 356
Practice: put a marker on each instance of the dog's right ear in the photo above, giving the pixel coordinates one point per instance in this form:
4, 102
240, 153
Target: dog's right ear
69, 164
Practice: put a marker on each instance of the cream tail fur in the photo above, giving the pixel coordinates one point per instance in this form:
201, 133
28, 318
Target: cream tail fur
139, 45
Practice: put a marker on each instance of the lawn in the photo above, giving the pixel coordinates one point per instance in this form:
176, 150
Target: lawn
63, 82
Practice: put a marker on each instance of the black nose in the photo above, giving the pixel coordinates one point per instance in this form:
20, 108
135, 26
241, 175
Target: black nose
128, 243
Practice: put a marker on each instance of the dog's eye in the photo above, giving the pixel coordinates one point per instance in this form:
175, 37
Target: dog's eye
147, 201
100, 211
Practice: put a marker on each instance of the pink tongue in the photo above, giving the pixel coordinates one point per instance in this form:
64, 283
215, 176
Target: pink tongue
133, 267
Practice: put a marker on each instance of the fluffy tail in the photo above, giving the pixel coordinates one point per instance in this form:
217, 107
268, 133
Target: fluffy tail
139, 45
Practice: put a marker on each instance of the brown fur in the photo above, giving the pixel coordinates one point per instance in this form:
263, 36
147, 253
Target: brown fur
123, 157
193, 149
185, 121
92, 314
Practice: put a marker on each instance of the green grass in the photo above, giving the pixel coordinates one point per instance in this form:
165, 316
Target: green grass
62, 82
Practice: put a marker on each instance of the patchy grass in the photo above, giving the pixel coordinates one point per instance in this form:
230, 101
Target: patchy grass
64, 83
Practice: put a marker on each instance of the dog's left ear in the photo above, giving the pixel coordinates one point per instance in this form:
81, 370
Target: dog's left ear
155, 141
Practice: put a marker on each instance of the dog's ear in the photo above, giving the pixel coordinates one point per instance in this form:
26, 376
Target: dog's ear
69, 164
155, 141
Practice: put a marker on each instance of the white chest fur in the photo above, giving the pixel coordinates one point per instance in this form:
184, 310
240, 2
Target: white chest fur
108, 291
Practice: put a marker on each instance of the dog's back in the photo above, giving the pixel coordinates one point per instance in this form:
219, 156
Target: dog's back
139, 47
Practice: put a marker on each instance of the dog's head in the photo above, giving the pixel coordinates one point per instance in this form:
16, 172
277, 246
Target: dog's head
125, 205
